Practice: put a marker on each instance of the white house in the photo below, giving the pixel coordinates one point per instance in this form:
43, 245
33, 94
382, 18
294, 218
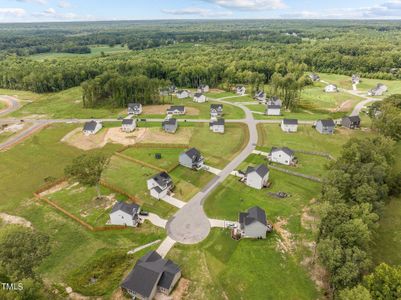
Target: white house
160, 185
331, 88
126, 214
261, 97
356, 79
314, 77
128, 125
92, 127
134, 108
325, 126
216, 110
256, 177
182, 94
253, 223
289, 125
176, 110
199, 98
240, 90
379, 90
274, 101
284, 156
203, 88
217, 125
273, 110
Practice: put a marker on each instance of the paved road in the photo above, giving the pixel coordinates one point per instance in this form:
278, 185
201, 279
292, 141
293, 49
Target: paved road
12, 105
20, 136
190, 224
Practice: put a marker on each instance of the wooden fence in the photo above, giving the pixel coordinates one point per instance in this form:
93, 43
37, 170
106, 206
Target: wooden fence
313, 178
49, 185
145, 164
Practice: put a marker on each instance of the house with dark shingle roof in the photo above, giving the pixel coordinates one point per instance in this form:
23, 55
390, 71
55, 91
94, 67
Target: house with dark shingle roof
192, 159
284, 156
240, 90
170, 125
256, 177
126, 214
314, 77
273, 110
216, 110
92, 127
203, 88
128, 125
325, 126
351, 122
261, 97
151, 274
379, 90
253, 223
176, 110
199, 98
217, 125
289, 125
356, 79
134, 108
182, 94
160, 185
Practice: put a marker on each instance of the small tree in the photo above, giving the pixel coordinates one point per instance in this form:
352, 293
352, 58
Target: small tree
87, 170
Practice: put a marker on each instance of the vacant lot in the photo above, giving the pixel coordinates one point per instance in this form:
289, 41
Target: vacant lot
161, 109
159, 136
168, 160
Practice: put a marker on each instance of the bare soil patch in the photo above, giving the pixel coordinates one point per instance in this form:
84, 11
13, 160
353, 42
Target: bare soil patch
117, 136
15, 220
161, 110
12, 128
317, 273
158, 136
55, 189
285, 244
179, 292
343, 107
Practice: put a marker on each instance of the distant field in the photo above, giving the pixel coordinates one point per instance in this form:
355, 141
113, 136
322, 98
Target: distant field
95, 51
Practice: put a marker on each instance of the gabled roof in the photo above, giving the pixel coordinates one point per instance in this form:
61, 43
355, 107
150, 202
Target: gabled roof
182, 91
197, 95
273, 106
129, 208
176, 107
128, 121
162, 179
260, 94
327, 123
353, 119
218, 122
134, 105
262, 170
284, 149
216, 106
90, 126
254, 214
170, 121
194, 154
290, 121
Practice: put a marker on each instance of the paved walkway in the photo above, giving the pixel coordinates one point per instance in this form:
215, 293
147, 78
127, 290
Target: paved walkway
211, 170
143, 247
174, 201
222, 223
165, 246
155, 220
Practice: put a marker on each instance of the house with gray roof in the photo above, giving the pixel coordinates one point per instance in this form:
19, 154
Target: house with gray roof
160, 185
283, 155
351, 122
314, 77
125, 214
289, 125
325, 126
261, 97
331, 88
170, 125
134, 108
256, 177
192, 159
203, 88
151, 274
92, 127
217, 125
176, 110
240, 90
216, 110
253, 223
128, 125
274, 101
379, 90
356, 79
273, 110
182, 94
199, 98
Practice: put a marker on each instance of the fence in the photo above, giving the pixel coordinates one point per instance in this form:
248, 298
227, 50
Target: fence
317, 153
145, 164
120, 191
49, 185
313, 178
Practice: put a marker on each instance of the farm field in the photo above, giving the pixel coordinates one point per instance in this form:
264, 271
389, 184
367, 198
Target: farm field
307, 138
221, 268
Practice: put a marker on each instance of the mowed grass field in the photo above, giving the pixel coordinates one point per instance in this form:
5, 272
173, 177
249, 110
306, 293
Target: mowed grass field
23, 169
221, 268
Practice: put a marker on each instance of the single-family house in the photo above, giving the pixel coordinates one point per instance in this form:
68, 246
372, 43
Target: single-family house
351, 122
160, 185
182, 94
325, 126
199, 98
256, 177
192, 159
176, 110
203, 88
331, 88
170, 125
284, 156
379, 90
240, 90
356, 79
134, 108
216, 110
273, 110
274, 101
126, 214
289, 125
261, 97
253, 223
314, 77
128, 125
92, 127
151, 274
217, 125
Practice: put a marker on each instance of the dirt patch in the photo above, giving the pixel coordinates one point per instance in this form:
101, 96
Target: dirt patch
54, 189
12, 128
15, 220
216, 91
343, 107
285, 244
158, 136
308, 221
179, 292
317, 273
161, 110
117, 136
118, 295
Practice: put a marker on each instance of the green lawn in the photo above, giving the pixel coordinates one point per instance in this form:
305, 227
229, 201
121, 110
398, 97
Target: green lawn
307, 138
95, 51
221, 268
168, 160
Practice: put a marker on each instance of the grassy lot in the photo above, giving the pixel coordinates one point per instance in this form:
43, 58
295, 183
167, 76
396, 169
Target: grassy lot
169, 156
95, 51
221, 268
5, 135
219, 149
307, 138
23, 169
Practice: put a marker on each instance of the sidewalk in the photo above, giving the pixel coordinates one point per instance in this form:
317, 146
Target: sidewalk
174, 201
165, 246
155, 220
